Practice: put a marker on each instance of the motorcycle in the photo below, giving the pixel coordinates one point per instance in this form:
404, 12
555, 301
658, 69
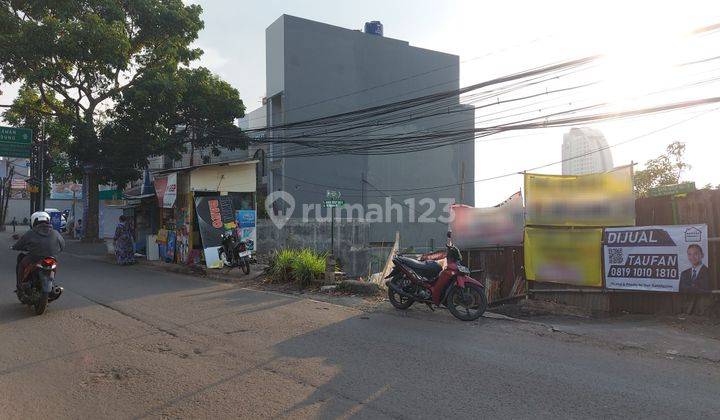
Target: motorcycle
234, 253
428, 282
38, 287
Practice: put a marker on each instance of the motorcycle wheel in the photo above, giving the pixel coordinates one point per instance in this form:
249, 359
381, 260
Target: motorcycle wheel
224, 258
467, 303
41, 304
399, 301
245, 267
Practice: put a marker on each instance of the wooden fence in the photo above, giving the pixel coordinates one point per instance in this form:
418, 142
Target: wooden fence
701, 206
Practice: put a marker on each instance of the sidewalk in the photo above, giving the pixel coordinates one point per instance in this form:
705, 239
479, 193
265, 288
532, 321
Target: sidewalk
80, 249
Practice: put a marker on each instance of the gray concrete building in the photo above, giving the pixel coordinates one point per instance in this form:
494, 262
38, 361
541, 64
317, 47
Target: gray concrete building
315, 70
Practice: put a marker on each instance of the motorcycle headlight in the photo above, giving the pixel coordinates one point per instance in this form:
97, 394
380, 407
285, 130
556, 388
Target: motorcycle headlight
463, 269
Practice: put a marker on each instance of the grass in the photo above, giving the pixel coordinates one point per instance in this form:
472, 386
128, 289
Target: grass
302, 266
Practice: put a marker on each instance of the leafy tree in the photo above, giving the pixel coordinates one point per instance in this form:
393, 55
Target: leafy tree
665, 169
190, 108
207, 111
89, 53
29, 111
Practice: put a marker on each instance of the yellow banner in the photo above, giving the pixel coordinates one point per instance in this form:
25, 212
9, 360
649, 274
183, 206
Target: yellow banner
570, 256
604, 199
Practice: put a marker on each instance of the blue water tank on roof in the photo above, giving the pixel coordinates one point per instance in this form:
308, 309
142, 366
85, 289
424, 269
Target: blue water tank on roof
374, 28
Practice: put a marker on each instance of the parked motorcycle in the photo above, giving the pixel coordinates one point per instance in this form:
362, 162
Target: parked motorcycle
234, 253
38, 287
427, 282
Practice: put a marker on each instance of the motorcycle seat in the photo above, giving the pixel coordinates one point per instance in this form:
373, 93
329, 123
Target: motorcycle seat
427, 269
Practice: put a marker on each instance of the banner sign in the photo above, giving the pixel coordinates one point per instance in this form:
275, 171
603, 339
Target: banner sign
65, 191
501, 225
246, 229
657, 258
166, 190
215, 216
569, 256
604, 199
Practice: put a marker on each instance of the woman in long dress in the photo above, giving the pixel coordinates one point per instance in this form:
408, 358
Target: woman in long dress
124, 243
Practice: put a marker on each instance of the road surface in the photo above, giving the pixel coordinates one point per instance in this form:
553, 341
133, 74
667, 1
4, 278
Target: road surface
129, 342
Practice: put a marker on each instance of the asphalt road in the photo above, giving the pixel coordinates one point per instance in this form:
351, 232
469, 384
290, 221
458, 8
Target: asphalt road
128, 342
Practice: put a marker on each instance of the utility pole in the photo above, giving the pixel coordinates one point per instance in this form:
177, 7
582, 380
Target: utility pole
42, 165
362, 190
462, 182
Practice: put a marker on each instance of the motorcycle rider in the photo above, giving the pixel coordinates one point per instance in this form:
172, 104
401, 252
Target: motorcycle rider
40, 241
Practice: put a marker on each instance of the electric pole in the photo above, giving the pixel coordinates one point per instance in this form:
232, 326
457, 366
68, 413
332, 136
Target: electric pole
42, 165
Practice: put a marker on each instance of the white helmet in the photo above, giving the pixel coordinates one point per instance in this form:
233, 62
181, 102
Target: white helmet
39, 216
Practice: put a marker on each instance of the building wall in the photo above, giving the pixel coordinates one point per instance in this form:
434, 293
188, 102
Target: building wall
20, 209
585, 151
230, 178
321, 61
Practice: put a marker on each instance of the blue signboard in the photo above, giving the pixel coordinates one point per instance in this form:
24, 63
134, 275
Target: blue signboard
246, 218
246, 227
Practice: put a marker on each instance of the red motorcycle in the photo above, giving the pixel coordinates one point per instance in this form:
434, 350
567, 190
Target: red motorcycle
427, 282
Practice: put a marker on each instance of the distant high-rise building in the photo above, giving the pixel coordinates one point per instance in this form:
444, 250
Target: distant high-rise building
585, 151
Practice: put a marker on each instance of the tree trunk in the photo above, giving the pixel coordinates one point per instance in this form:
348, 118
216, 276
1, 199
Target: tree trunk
91, 226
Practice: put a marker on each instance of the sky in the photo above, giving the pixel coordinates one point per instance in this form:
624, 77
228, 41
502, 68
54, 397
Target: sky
496, 38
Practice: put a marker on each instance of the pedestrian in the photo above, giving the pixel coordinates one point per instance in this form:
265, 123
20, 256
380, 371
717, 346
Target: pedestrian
78, 229
124, 243
14, 223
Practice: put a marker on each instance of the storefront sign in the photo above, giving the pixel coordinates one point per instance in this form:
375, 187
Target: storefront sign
657, 258
215, 216
604, 199
247, 230
501, 225
569, 256
166, 190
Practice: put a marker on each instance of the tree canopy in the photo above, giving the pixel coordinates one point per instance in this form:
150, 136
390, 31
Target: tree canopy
115, 71
665, 169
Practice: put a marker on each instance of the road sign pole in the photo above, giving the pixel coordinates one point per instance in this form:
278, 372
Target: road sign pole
332, 230
42, 165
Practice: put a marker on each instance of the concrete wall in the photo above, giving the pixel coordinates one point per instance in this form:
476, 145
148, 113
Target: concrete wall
311, 62
351, 241
21, 208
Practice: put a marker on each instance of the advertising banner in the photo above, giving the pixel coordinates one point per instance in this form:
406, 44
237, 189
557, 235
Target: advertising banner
65, 191
604, 199
657, 258
569, 256
166, 190
246, 227
215, 216
501, 225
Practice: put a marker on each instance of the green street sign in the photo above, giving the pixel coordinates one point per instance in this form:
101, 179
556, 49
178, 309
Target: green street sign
673, 189
332, 195
15, 142
333, 203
